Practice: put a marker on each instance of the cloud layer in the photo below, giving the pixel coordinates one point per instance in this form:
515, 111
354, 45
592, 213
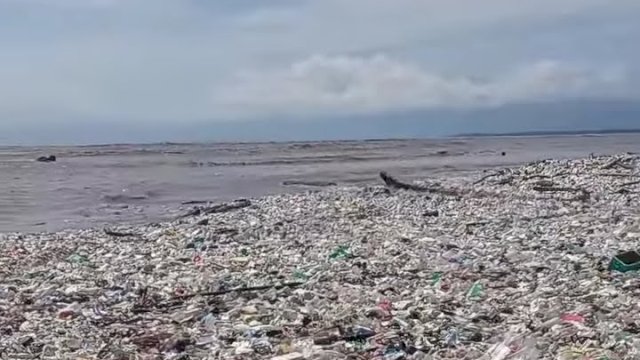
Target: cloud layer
326, 84
173, 61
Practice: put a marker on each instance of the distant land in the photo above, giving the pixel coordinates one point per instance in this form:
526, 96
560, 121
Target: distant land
554, 133
578, 117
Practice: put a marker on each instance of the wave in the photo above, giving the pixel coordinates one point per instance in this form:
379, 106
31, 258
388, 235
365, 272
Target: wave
290, 161
320, 159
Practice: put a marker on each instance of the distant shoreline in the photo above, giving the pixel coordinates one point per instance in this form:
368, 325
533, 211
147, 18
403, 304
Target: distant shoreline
345, 140
552, 133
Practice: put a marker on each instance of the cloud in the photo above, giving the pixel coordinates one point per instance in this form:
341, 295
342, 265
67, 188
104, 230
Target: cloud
353, 84
172, 61
337, 26
66, 3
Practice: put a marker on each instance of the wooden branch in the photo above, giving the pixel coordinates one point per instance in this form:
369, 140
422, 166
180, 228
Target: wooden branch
611, 164
117, 233
626, 166
584, 194
631, 183
616, 174
220, 208
476, 223
486, 177
238, 204
544, 183
393, 183
244, 289
555, 189
308, 183
505, 180
618, 162
536, 176
196, 202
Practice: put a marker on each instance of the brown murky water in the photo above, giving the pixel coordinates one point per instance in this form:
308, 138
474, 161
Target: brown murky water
98, 185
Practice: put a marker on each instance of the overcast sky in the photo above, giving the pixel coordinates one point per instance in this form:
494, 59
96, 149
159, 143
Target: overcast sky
176, 61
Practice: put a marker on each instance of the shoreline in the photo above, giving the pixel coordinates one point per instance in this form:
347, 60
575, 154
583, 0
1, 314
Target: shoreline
559, 133
452, 268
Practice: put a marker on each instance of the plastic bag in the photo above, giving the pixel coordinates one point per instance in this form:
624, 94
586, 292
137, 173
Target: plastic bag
514, 347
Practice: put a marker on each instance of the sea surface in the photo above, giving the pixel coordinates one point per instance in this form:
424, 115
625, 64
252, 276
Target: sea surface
109, 184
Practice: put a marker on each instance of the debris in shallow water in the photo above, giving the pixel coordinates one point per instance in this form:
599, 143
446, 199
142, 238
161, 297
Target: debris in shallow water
50, 158
393, 183
118, 233
220, 208
308, 183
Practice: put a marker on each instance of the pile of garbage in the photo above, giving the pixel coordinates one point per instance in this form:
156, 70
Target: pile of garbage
508, 264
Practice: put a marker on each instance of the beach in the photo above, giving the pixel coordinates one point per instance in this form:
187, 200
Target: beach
507, 262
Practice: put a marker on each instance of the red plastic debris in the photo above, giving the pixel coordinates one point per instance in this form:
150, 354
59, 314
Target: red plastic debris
572, 318
180, 291
386, 305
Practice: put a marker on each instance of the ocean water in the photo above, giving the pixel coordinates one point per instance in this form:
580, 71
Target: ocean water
102, 185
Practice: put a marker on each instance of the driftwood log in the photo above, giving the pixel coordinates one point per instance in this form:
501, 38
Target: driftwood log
584, 194
504, 180
219, 208
393, 183
488, 176
630, 183
196, 202
616, 174
242, 289
620, 162
536, 176
556, 189
118, 233
50, 158
318, 183
238, 204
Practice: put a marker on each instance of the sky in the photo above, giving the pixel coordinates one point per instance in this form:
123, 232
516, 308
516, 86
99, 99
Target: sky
169, 64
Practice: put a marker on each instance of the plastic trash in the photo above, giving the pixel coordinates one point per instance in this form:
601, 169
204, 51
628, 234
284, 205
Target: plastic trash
518, 347
300, 275
512, 269
436, 278
208, 321
573, 318
626, 261
360, 333
341, 252
78, 259
452, 338
69, 311
392, 353
475, 291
